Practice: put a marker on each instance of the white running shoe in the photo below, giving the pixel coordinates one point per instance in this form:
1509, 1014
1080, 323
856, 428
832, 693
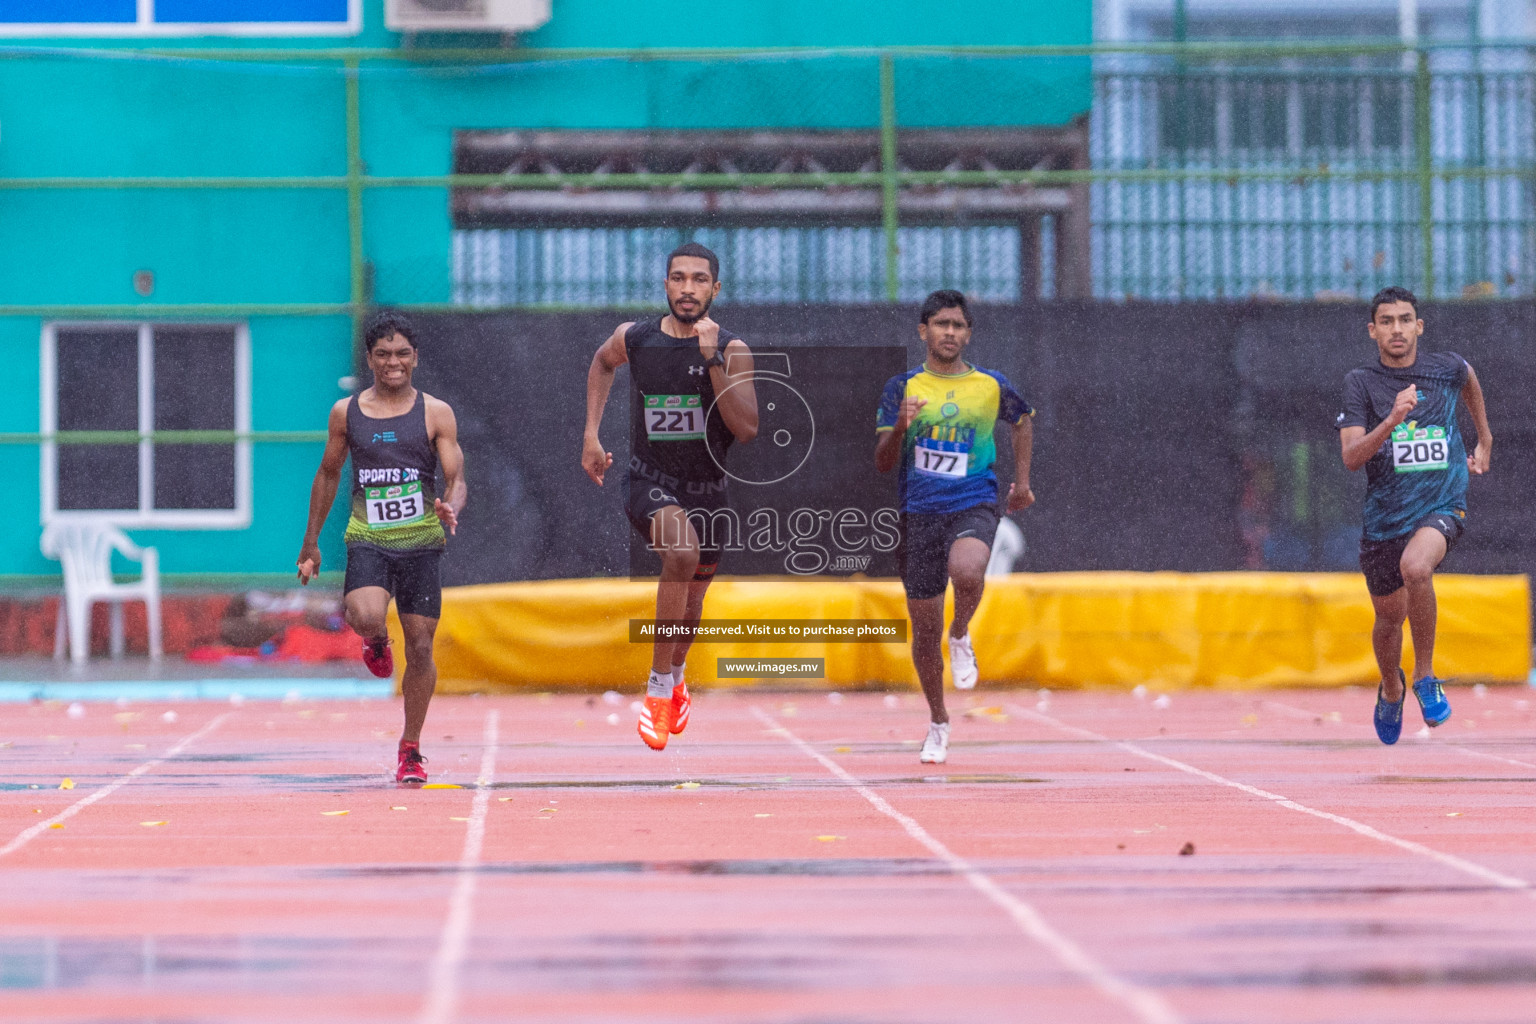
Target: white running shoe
936, 746
962, 662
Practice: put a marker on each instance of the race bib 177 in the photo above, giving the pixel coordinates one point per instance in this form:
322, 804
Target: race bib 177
941, 458
394, 506
674, 417
1417, 449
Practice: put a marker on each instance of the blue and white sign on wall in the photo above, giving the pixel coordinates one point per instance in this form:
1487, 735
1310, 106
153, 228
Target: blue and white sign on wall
180, 17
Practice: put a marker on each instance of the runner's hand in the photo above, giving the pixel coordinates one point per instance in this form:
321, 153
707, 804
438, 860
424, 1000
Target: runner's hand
594, 460
449, 517
309, 563
910, 407
1404, 404
709, 336
1477, 462
1018, 500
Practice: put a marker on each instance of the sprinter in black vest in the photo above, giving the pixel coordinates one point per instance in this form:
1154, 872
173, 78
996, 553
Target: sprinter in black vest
398, 437
693, 395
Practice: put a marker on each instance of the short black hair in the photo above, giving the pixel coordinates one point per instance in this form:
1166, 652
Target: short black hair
386, 325
695, 249
1390, 294
944, 298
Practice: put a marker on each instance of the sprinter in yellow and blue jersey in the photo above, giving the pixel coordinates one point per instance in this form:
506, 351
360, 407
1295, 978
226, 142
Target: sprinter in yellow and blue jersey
936, 422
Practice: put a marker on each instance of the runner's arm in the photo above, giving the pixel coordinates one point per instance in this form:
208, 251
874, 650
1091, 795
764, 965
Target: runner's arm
1020, 496
322, 493
737, 405
607, 359
1358, 447
1472, 394
443, 426
888, 440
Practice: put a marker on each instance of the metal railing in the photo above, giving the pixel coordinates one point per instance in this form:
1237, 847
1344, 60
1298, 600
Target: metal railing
1217, 171
1229, 180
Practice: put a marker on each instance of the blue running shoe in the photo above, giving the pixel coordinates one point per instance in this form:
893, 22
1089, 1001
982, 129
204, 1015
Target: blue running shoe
1432, 700
1389, 714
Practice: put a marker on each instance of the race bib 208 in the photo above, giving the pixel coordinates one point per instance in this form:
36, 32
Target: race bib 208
1417, 449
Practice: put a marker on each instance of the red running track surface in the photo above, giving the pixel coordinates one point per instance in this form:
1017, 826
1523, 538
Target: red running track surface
816, 872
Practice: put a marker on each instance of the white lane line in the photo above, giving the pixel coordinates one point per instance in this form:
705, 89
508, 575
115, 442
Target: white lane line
443, 981
112, 787
1493, 757
1450, 860
1145, 1005
1303, 713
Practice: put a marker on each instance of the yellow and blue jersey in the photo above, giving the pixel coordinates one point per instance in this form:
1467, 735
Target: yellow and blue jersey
948, 451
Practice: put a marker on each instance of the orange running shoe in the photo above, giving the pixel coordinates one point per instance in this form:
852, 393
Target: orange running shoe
680, 706
656, 721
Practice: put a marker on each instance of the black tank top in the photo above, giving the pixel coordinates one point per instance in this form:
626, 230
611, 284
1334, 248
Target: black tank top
671, 427
394, 480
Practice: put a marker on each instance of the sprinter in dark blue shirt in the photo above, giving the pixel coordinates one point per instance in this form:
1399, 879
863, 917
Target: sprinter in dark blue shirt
1399, 422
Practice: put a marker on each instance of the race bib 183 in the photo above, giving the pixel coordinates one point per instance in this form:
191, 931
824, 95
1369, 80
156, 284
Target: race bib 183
674, 417
1417, 449
941, 458
394, 506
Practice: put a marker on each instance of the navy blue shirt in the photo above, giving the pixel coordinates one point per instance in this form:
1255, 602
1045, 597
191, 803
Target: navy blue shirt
1421, 469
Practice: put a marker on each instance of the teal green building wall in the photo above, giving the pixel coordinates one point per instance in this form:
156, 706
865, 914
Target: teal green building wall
78, 115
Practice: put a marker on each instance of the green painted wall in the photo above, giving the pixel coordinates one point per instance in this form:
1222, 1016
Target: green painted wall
66, 115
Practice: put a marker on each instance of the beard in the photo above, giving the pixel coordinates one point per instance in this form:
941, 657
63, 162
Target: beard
690, 318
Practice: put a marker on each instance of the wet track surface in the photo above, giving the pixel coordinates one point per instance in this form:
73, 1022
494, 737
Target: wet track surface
787, 859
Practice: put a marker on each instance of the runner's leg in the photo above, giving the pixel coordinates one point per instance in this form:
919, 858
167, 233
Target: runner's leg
674, 539
366, 609
692, 612
1421, 557
419, 680
1387, 640
967, 571
927, 627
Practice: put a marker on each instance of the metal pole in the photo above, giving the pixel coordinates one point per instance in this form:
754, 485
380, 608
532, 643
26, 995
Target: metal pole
1408, 20
1426, 168
889, 184
357, 296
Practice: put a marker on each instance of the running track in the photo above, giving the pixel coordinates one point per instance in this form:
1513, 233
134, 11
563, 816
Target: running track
816, 873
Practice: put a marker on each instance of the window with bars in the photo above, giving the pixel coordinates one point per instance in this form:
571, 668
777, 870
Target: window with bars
138, 381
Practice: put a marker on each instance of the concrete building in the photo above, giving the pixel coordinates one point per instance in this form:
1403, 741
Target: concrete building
1350, 168
190, 228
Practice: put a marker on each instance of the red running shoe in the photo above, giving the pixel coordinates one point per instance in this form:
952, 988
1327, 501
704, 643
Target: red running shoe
410, 770
680, 707
378, 658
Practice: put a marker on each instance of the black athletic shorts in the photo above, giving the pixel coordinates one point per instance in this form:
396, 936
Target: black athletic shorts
926, 538
410, 577
1381, 560
647, 497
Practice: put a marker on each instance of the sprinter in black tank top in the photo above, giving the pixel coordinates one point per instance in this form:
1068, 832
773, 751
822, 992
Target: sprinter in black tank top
693, 396
398, 438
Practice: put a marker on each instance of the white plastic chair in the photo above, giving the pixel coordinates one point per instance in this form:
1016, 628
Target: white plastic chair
1007, 547
84, 549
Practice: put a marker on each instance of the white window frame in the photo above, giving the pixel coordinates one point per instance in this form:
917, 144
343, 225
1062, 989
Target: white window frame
146, 516
145, 25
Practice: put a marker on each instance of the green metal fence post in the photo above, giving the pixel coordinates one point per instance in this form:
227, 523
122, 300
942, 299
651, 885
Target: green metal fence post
889, 184
1425, 155
357, 297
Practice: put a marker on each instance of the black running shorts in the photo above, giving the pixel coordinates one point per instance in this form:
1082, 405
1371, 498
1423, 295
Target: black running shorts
410, 577
1381, 560
926, 538
647, 497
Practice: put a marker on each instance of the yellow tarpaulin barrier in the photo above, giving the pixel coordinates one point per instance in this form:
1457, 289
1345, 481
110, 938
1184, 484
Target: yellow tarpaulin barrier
1058, 630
